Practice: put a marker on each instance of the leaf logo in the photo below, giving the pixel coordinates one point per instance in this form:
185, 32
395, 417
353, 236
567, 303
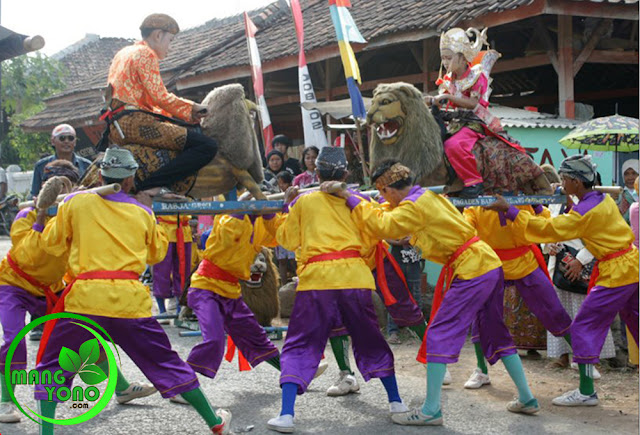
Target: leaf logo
84, 363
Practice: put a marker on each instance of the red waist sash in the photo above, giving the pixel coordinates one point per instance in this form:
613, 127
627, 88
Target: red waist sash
59, 306
182, 261
210, 270
381, 253
443, 284
513, 253
334, 256
595, 273
51, 297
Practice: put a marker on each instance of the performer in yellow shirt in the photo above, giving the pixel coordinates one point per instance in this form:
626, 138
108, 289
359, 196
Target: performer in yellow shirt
334, 282
472, 272
614, 281
170, 275
524, 267
140, 106
215, 294
109, 240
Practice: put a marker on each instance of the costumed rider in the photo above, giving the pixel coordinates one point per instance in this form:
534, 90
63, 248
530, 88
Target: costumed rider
613, 287
466, 85
141, 111
109, 240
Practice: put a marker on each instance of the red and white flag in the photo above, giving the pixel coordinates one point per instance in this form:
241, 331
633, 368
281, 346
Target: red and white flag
258, 85
311, 119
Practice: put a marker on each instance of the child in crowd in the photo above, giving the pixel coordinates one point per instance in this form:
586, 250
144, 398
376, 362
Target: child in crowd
308, 161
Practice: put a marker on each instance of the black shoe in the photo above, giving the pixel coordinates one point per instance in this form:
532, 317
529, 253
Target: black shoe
471, 192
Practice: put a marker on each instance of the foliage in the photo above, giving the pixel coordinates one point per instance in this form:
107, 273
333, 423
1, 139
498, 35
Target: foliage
26, 81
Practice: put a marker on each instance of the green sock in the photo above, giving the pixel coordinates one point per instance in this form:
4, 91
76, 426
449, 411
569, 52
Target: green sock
482, 365
200, 403
340, 347
586, 379
568, 339
122, 383
514, 367
47, 409
274, 362
5, 390
419, 330
435, 377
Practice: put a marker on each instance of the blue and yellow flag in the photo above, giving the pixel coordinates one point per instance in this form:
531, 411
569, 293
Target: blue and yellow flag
346, 32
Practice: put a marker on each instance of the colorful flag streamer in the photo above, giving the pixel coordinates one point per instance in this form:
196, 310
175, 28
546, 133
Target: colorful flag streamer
346, 32
258, 85
311, 119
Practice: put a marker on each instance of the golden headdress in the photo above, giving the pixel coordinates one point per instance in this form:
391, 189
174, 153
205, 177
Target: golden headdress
457, 40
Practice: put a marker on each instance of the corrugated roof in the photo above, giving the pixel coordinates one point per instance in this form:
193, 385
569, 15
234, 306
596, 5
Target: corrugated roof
511, 117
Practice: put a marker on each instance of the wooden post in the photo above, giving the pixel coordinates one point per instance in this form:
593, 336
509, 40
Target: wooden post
425, 66
365, 168
565, 64
327, 90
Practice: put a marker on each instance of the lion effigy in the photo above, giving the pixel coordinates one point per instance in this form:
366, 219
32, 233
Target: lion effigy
229, 121
406, 130
260, 292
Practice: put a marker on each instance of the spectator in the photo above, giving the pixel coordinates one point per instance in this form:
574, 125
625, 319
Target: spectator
3, 183
275, 165
282, 143
629, 195
63, 141
285, 179
308, 161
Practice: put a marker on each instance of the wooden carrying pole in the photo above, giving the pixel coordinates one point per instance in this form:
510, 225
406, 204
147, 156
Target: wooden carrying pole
100, 190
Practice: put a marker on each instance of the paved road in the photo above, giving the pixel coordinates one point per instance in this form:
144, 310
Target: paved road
254, 397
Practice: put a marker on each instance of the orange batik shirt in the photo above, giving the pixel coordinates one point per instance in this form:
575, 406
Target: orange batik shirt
135, 77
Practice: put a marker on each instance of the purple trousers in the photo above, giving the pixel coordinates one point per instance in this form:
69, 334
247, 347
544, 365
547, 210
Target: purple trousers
315, 312
479, 298
217, 315
590, 327
404, 312
142, 339
542, 299
166, 274
14, 305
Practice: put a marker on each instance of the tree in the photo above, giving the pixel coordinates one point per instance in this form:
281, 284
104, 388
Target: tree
26, 81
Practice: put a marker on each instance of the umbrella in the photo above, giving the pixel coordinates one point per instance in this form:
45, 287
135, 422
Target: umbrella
610, 133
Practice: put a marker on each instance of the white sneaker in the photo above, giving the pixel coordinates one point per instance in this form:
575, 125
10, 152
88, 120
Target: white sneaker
321, 368
281, 423
576, 398
9, 413
135, 391
172, 305
447, 378
415, 417
223, 428
596, 373
346, 384
477, 380
179, 400
397, 407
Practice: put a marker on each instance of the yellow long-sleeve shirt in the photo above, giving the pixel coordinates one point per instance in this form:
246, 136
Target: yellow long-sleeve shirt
232, 246
596, 220
487, 224
436, 227
25, 252
111, 233
319, 223
170, 227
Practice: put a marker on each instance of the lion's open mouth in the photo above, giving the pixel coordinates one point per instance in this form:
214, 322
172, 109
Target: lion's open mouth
388, 129
255, 280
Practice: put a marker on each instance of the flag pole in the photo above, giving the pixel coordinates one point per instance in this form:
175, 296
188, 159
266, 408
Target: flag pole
365, 168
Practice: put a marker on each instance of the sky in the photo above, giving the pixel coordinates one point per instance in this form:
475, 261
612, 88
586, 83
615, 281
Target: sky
63, 22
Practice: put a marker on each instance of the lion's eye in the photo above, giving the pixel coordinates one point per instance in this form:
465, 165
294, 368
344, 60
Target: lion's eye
386, 101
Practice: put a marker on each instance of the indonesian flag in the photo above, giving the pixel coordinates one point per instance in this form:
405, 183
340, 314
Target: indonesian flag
258, 85
311, 119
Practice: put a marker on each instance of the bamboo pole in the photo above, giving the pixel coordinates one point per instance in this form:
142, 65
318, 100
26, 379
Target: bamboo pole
100, 190
336, 187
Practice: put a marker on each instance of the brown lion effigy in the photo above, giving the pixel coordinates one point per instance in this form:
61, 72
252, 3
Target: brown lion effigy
260, 292
407, 131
